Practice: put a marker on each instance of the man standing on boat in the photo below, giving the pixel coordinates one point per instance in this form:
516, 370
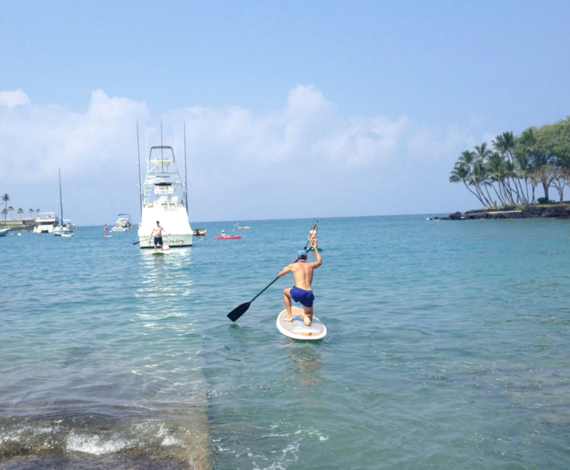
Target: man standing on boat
303, 276
157, 232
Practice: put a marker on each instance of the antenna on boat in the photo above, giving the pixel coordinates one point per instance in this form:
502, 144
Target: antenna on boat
161, 145
185, 171
146, 143
60, 203
139, 162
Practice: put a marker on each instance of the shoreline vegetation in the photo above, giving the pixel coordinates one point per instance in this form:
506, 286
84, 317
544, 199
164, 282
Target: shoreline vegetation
21, 224
504, 179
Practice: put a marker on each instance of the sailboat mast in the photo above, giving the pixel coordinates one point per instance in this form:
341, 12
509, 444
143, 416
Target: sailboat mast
139, 162
185, 170
60, 200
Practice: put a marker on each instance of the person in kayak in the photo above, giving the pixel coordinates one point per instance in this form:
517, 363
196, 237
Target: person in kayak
303, 276
223, 235
157, 232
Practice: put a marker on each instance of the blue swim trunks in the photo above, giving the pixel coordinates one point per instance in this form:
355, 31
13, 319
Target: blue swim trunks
305, 297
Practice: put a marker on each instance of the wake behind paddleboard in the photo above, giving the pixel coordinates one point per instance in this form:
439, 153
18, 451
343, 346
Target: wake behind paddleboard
297, 328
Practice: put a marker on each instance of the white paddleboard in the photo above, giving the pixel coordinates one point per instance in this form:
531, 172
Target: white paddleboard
297, 328
107, 236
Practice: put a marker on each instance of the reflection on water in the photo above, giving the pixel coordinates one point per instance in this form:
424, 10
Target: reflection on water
305, 362
101, 370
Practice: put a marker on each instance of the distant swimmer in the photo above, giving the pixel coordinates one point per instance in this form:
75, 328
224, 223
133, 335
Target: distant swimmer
313, 233
157, 232
106, 229
303, 276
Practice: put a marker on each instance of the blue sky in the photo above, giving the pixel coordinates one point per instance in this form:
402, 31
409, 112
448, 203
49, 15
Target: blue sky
293, 109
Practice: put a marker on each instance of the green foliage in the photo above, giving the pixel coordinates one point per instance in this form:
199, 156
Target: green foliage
518, 165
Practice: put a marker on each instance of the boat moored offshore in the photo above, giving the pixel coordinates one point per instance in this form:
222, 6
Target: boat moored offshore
164, 200
123, 224
46, 222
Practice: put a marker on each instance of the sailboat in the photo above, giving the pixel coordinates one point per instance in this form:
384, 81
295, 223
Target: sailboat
65, 227
164, 198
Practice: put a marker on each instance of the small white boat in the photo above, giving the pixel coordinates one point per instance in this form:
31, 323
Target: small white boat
123, 224
67, 234
65, 226
46, 222
4, 232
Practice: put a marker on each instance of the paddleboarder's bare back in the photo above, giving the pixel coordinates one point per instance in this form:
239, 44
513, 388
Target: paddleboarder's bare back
303, 276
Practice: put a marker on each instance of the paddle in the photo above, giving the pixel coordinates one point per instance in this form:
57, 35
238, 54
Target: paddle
239, 311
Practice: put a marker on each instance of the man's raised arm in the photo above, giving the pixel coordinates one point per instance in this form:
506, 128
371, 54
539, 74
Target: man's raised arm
314, 245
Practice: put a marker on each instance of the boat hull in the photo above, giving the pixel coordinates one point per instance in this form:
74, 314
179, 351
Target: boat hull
173, 241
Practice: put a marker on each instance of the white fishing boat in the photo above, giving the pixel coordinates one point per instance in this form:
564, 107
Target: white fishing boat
123, 224
164, 199
46, 222
4, 232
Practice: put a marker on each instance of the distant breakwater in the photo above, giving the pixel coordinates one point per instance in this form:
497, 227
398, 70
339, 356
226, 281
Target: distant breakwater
561, 211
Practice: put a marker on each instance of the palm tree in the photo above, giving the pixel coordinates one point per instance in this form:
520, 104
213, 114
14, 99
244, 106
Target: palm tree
462, 173
31, 212
496, 168
541, 160
5, 200
20, 212
4, 212
506, 144
10, 210
37, 211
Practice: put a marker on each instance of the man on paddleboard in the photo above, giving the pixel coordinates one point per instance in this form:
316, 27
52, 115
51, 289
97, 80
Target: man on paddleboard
157, 232
303, 276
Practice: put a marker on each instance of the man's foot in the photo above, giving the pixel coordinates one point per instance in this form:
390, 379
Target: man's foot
308, 320
288, 318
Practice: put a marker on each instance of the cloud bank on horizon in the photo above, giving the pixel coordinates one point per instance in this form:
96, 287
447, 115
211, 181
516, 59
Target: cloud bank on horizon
302, 159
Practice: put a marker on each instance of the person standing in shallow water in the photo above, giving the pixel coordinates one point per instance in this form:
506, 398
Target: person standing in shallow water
157, 232
302, 292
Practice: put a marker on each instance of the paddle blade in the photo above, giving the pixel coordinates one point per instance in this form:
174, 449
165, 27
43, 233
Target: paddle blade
238, 311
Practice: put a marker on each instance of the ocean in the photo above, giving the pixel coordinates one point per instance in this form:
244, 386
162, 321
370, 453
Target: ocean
447, 347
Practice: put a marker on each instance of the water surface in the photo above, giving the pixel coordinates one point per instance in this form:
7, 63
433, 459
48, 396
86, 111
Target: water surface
447, 348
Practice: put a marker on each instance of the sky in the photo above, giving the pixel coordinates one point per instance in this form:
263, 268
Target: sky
292, 109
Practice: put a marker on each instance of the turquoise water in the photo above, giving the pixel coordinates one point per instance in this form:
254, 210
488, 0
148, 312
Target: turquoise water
447, 348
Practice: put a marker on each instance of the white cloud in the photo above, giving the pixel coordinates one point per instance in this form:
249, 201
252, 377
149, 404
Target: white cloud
11, 99
239, 158
38, 139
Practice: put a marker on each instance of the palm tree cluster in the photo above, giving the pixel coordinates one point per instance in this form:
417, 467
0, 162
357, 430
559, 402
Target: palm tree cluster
508, 173
8, 210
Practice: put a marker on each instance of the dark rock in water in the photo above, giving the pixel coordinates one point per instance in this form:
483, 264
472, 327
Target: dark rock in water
509, 212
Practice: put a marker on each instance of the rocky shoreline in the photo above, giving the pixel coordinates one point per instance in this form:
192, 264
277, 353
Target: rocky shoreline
560, 211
